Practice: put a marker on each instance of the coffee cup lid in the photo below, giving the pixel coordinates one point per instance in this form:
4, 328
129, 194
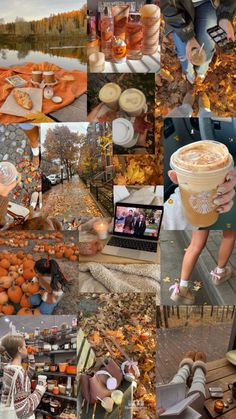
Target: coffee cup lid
122, 131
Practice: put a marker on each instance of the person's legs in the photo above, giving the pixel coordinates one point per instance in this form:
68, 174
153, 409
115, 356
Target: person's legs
223, 272
187, 67
185, 368
198, 242
35, 299
46, 308
205, 18
182, 294
199, 379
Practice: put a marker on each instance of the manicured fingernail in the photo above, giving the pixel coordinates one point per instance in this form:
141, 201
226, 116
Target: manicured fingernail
220, 210
217, 201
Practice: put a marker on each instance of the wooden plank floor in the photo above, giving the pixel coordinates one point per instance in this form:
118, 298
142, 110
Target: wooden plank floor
173, 343
75, 112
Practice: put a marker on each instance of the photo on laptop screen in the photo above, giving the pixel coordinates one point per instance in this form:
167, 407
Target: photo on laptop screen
137, 221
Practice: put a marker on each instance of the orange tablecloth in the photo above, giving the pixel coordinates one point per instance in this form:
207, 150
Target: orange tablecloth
68, 90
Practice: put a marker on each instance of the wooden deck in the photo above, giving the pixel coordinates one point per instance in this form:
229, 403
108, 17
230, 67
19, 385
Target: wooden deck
75, 112
173, 343
220, 373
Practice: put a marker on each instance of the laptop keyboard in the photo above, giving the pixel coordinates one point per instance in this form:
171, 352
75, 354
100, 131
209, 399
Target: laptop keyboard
145, 246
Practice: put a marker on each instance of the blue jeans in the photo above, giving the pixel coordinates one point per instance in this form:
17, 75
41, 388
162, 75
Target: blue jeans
205, 18
45, 308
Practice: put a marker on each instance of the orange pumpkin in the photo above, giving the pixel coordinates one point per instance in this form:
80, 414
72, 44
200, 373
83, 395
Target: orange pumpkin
59, 255
20, 255
29, 256
24, 302
73, 258
13, 274
3, 297
28, 264
6, 281
8, 309
33, 287
15, 293
68, 253
36, 312
24, 286
28, 274
4, 263
20, 280
3, 272
24, 311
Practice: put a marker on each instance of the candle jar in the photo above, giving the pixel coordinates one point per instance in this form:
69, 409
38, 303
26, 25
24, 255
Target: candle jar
101, 228
107, 33
219, 406
151, 18
91, 26
134, 37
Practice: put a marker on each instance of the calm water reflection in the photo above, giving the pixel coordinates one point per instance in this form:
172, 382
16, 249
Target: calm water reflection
68, 54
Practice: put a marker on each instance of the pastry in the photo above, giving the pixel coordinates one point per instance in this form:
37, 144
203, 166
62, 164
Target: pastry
23, 99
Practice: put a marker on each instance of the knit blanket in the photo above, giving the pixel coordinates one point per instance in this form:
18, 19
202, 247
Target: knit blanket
97, 277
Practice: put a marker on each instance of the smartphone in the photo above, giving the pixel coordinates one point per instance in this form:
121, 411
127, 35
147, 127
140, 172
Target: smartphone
216, 392
219, 36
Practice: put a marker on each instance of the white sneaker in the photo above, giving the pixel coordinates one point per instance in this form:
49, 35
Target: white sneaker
218, 279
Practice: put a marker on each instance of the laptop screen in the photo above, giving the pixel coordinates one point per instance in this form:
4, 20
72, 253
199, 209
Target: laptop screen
141, 221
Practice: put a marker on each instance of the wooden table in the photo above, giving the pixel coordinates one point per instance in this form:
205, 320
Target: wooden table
102, 258
220, 373
75, 112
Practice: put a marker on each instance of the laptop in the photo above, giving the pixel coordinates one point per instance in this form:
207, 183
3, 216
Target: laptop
136, 231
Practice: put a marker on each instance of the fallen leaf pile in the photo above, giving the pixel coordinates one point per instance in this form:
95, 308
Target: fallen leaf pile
138, 170
219, 85
132, 323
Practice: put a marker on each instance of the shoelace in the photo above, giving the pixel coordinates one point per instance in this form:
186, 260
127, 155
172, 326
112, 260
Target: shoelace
215, 275
175, 288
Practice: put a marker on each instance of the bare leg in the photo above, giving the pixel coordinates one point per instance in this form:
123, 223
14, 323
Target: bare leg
198, 242
226, 247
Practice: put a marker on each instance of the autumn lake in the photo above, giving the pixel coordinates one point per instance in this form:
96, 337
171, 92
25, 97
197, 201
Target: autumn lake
69, 54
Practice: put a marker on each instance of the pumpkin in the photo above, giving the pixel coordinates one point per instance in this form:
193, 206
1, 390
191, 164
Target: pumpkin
24, 286
20, 271
59, 255
4, 263
15, 293
13, 274
33, 287
68, 253
6, 281
3, 297
3, 272
37, 312
24, 311
28, 264
20, 255
73, 258
13, 260
29, 256
12, 268
20, 280
28, 273
24, 302
8, 309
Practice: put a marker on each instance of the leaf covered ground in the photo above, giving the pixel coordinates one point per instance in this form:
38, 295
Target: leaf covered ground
132, 323
219, 85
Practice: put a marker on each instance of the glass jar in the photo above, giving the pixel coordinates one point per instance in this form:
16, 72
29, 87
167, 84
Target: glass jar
134, 37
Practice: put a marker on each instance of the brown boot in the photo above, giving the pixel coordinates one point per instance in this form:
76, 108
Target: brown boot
188, 359
200, 362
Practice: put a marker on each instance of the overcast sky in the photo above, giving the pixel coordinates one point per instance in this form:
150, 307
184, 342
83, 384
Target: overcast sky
80, 127
36, 9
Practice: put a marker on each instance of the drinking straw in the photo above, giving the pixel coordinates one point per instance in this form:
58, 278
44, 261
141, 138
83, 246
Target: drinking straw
94, 410
201, 48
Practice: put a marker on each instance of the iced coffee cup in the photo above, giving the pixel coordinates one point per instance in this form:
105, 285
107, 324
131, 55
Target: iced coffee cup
201, 167
8, 173
49, 77
123, 133
37, 76
110, 94
133, 102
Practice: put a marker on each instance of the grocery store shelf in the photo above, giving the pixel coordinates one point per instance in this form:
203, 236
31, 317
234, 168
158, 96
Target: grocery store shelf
55, 374
61, 396
61, 351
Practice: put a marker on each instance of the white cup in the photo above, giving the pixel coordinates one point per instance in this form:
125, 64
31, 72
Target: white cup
123, 133
42, 380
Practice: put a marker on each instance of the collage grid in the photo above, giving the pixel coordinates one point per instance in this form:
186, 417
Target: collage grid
117, 209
